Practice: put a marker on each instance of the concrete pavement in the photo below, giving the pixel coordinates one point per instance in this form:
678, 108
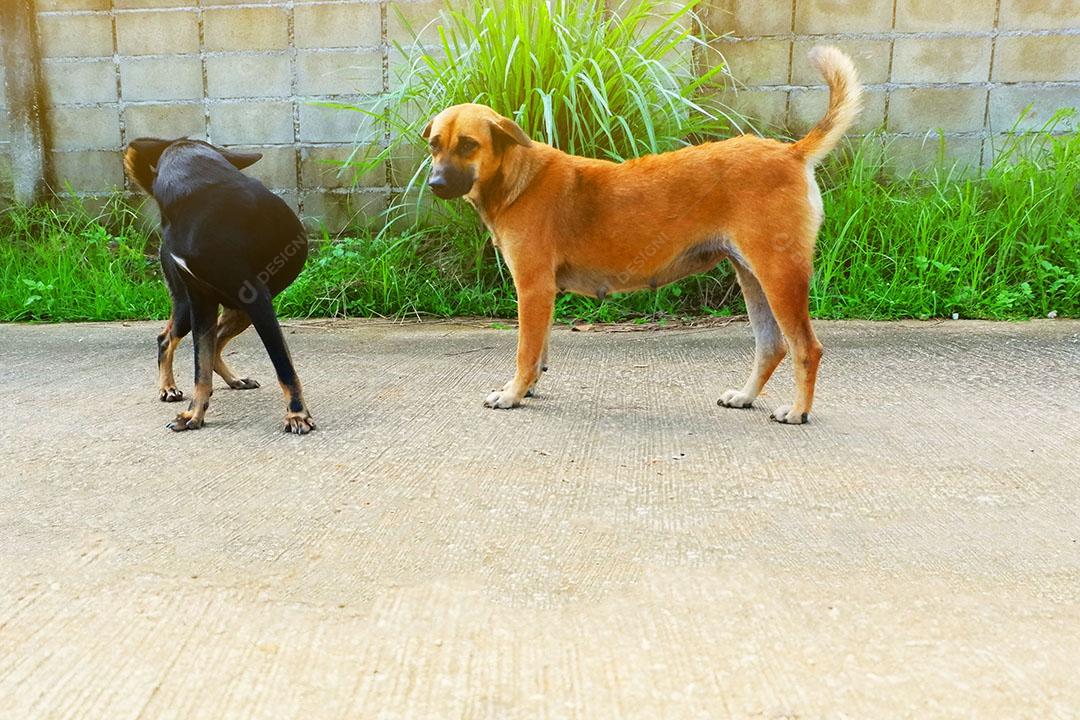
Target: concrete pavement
620, 547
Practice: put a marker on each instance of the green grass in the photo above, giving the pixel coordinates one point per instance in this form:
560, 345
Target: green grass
1003, 243
66, 264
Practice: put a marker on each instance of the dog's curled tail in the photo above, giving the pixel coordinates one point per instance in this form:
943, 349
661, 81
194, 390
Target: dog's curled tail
845, 100
141, 159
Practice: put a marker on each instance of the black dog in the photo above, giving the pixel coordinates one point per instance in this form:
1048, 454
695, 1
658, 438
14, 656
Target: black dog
228, 241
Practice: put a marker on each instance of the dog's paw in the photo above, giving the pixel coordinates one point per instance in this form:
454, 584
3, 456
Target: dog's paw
171, 394
502, 400
298, 423
786, 415
735, 399
244, 384
185, 421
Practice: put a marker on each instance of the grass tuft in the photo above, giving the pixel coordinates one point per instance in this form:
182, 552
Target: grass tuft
571, 73
1000, 243
65, 264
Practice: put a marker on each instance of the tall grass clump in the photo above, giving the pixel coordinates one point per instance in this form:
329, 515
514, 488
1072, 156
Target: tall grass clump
609, 84
1001, 242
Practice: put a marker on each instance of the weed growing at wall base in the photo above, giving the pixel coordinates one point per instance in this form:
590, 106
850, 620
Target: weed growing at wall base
1002, 243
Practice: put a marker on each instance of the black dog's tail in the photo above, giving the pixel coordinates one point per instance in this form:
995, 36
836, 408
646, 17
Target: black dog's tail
141, 159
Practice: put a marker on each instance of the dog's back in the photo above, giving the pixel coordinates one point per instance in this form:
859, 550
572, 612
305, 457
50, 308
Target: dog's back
209, 209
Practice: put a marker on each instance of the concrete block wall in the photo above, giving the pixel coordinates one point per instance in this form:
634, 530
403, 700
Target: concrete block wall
964, 70
244, 73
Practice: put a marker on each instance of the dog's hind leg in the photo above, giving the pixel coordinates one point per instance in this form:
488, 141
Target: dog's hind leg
769, 346
231, 323
204, 326
175, 329
787, 287
261, 311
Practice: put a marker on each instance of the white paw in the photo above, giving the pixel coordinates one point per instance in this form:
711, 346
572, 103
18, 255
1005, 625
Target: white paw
735, 399
502, 400
785, 414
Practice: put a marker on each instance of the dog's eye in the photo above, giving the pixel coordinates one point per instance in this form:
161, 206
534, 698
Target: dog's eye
466, 146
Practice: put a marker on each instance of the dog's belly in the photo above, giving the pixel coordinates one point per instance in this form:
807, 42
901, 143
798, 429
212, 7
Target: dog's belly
643, 272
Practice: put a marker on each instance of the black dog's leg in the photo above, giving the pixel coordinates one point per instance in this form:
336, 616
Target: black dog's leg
261, 310
204, 324
178, 326
230, 324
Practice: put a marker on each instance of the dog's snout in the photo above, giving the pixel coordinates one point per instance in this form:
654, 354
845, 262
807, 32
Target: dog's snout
448, 181
436, 181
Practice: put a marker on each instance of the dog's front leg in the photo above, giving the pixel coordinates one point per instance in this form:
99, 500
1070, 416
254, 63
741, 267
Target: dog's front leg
204, 329
536, 303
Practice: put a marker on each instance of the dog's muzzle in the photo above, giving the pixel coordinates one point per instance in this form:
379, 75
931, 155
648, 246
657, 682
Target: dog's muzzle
449, 182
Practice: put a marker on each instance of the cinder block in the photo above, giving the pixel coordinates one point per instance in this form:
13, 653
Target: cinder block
87, 81
757, 62
871, 58
953, 59
919, 110
408, 22
337, 211
83, 128
400, 66
338, 73
765, 110
237, 76
146, 4
165, 120
276, 169
75, 35
808, 107
942, 15
833, 16
748, 17
332, 125
1039, 14
157, 33
1007, 104
88, 170
409, 160
905, 155
325, 26
248, 28
170, 78
1035, 58
55, 5
324, 167
251, 122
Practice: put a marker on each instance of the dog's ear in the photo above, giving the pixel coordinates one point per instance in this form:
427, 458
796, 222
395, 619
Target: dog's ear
507, 130
427, 130
240, 160
141, 159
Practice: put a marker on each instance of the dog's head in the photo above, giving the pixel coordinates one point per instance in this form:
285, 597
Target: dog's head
467, 145
143, 155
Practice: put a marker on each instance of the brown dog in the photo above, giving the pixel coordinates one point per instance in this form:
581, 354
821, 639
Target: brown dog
566, 223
